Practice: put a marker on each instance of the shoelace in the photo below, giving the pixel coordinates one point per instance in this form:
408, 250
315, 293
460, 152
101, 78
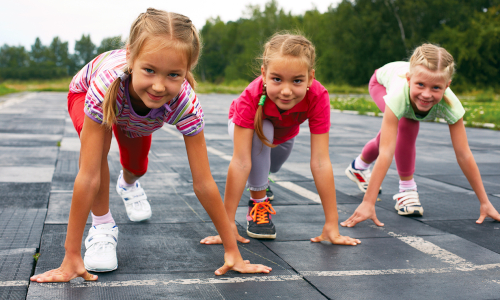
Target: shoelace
260, 210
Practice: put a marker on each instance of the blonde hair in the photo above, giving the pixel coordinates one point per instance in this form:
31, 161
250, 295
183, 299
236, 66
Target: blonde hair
170, 29
279, 45
435, 59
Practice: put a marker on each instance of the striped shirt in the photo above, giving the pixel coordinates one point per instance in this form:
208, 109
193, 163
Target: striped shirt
94, 79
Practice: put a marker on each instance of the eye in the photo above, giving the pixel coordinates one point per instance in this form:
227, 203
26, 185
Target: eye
419, 84
174, 75
437, 87
149, 71
298, 81
276, 79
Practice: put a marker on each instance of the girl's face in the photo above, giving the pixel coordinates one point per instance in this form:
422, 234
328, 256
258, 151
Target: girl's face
157, 76
287, 79
426, 88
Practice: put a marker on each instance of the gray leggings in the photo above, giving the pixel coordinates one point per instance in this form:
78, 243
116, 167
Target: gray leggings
264, 159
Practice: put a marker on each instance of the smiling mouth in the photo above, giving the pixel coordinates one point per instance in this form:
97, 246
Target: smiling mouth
153, 97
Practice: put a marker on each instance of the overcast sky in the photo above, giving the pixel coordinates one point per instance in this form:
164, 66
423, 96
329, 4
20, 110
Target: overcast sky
21, 21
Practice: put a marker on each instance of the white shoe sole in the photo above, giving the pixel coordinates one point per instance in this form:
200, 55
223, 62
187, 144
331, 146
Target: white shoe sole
419, 212
100, 270
260, 236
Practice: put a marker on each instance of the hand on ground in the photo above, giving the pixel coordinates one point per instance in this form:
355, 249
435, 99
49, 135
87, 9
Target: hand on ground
487, 210
69, 269
215, 239
331, 234
363, 212
236, 263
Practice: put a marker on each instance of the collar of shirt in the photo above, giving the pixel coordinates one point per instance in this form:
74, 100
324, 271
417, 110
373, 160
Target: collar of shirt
270, 108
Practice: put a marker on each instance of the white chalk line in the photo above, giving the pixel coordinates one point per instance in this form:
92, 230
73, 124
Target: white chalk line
261, 278
13, 283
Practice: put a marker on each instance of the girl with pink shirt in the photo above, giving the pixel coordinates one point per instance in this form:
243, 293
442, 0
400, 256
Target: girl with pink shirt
263, 123
132, 93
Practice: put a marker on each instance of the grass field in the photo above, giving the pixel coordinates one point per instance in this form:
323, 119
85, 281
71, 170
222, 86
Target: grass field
480, 106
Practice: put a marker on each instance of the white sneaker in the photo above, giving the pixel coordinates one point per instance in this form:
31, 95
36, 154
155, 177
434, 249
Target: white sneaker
101, 248
360, 177
136, 201
407, 203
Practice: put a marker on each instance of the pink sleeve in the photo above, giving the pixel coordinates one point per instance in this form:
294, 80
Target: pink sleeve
245, 106
319, 109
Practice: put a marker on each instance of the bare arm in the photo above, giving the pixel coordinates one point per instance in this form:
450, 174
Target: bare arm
239, 169
469, 167
95, 143
207, 192
321, 168
366, 210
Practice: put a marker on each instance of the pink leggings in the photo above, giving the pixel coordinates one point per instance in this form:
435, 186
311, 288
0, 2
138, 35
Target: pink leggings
407, 135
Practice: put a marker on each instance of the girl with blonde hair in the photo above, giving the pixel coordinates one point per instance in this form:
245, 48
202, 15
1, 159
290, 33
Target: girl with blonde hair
132, 92
407, 93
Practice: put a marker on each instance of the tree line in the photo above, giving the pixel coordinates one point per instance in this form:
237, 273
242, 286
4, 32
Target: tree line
358, 36
52, 61
352, 40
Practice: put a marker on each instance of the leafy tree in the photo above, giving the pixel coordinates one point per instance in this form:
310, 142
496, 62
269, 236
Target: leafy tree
39, 54
110, 43
84, 51
13, 57
475, 48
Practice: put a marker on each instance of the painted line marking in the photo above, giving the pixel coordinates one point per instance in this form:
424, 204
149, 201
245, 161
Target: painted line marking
17, 251
431, 249
300, 190
13, 283
153, 282
177, 134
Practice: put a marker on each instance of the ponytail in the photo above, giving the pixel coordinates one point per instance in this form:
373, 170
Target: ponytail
109, 108
257, 121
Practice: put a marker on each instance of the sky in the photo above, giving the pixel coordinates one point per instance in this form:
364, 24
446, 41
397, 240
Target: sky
22, 21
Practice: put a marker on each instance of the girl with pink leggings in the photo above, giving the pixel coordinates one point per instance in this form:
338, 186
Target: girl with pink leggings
407, 93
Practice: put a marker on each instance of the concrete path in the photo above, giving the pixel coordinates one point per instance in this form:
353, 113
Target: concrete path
443, 255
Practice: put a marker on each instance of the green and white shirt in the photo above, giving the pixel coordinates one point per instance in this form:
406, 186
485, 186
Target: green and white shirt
393, 77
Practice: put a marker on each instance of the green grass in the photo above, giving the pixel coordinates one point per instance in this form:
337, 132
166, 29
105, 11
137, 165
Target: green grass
361, 105
54, 85
4, 90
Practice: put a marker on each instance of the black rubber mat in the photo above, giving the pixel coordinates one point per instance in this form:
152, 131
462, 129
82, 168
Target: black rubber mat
14, 124
371, 254
169, 205
160, 249
180, 286
27, 156
282, 196
465, 285
21, 227
444, 206
302, 222
486, 234
28, 140
24, 194
491, 182
13, 292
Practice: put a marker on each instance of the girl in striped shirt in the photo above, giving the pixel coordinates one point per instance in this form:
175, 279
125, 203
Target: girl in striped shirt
407, 93
132, 93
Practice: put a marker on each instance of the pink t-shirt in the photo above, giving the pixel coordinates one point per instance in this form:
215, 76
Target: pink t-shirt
315, 107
